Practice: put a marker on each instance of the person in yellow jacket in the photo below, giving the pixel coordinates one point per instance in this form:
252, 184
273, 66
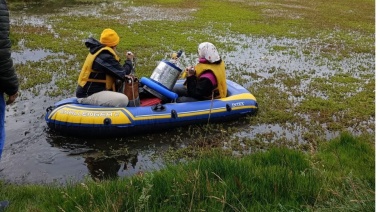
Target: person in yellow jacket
207, 79
101, 69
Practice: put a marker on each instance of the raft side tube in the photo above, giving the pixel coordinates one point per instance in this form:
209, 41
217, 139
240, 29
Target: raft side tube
72, 100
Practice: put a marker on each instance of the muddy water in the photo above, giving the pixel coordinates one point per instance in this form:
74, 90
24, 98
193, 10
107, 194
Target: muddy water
33, 154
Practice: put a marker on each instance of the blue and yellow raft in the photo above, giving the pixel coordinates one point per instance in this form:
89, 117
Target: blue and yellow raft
71, 118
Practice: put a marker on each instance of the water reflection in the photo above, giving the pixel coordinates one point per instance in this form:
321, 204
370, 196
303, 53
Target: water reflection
105, 167
110, 158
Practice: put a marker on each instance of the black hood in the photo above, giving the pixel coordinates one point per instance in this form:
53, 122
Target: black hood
93, 44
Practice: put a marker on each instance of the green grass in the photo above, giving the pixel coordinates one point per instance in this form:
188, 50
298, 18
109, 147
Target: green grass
348, 165
340, 174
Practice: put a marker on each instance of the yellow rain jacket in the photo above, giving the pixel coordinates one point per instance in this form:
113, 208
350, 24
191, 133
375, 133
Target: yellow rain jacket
87, 69
219, 70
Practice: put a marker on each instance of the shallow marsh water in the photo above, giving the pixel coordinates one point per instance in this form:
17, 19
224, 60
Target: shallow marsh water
33, 154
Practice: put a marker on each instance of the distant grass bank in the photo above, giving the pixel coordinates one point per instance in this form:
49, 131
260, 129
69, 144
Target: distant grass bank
343, 28
339, 175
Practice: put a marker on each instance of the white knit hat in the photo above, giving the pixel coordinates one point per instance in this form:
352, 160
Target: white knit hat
208, 51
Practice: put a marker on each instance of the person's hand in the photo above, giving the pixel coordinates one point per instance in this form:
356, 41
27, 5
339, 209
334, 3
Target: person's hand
11, 98
130, 55
190, 71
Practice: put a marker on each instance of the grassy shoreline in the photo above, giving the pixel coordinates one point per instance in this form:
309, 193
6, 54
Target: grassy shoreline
339, 175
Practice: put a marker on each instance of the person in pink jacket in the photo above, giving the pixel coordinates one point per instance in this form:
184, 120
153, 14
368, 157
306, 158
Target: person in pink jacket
207, 79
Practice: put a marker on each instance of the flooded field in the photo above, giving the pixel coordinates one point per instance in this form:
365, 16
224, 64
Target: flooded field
306, 94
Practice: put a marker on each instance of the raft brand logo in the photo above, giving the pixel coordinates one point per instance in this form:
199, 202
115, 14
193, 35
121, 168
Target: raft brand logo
237, 104
100, 114
70, 112
90, 114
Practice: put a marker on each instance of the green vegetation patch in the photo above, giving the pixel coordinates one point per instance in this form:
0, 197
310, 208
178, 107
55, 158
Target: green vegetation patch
252, 182
348, 163
341, 98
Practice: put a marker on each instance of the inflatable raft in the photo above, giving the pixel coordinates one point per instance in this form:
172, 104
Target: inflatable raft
71, 118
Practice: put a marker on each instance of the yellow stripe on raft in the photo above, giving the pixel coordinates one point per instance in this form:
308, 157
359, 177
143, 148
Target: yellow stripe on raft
147, 117
213, 110
80, 115
239, 97
235, 106
202, 112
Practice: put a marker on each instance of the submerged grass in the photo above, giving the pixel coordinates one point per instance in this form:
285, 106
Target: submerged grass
340, 175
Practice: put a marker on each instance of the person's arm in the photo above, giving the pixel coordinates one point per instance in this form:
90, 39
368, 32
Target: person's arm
9, 83
8, 79
11, 98
128, 64
107, 63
